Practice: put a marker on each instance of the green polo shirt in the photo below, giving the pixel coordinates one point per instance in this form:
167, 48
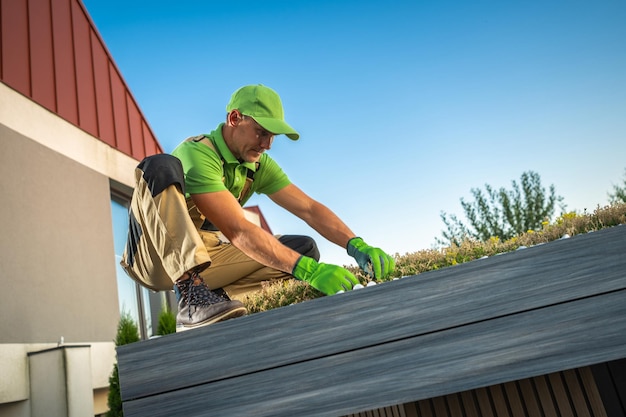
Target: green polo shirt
207, 172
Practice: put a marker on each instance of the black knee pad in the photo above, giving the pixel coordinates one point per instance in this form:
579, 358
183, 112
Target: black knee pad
162, 170
304, 245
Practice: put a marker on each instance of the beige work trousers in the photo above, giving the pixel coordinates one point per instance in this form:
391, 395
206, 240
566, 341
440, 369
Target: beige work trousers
232, 270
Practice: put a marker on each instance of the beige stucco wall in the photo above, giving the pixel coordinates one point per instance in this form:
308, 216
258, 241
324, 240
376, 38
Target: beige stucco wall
57, 265
57, 247
56, 257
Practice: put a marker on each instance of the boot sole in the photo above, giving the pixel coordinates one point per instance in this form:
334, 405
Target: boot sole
230, 314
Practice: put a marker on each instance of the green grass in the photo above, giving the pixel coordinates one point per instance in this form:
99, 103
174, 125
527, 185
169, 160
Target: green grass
279, 294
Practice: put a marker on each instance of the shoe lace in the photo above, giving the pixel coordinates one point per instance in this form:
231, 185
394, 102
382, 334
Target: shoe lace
197, 294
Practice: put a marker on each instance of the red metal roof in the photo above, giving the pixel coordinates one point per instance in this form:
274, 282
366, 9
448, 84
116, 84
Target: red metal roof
51, 52
257, 210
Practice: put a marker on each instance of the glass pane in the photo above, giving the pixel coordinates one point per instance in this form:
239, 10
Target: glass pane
126, 287
147, 311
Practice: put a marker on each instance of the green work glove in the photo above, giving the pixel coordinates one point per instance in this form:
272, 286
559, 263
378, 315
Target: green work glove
326, 278
373, 261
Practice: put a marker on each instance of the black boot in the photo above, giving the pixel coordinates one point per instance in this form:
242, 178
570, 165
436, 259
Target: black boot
199, 306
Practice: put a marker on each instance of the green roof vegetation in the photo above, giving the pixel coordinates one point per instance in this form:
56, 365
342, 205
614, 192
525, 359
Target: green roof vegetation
284, 293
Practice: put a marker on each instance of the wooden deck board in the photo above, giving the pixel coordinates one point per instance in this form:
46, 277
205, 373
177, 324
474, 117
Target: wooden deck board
503, 349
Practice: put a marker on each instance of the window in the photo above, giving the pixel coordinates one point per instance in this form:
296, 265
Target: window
143, 305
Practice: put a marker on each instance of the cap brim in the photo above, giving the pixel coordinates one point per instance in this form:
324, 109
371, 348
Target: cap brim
277, 127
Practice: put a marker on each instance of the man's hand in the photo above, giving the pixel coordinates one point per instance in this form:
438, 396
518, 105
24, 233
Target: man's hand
373, 261
326, 278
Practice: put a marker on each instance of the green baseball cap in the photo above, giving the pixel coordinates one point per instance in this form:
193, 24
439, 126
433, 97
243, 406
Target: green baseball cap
264, 106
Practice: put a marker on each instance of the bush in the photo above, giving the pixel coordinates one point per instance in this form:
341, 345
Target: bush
167, 323
127, 332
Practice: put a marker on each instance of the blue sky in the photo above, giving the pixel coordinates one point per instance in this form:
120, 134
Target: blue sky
402, 107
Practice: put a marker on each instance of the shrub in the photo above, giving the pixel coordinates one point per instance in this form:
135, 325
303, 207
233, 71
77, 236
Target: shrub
167, 323
127, 332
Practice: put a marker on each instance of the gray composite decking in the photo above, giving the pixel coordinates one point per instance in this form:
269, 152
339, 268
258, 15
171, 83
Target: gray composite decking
552, 307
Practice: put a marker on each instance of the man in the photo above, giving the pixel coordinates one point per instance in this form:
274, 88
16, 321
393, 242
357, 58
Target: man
221, 171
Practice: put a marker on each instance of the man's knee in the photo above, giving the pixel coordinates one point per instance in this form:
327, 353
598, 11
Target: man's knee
304, 245
160, 171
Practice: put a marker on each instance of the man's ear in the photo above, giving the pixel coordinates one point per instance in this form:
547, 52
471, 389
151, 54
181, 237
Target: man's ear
233, 118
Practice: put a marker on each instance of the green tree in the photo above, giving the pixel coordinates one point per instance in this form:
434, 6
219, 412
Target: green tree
502, 213
619, 193
127, 332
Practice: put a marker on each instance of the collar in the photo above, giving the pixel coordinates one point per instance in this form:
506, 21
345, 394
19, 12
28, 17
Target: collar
228, 157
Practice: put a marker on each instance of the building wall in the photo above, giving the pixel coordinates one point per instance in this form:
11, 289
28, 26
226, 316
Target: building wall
57, 245
57, 224
56, 249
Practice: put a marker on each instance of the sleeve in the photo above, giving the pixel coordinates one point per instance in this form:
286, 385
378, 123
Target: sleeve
202, 166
